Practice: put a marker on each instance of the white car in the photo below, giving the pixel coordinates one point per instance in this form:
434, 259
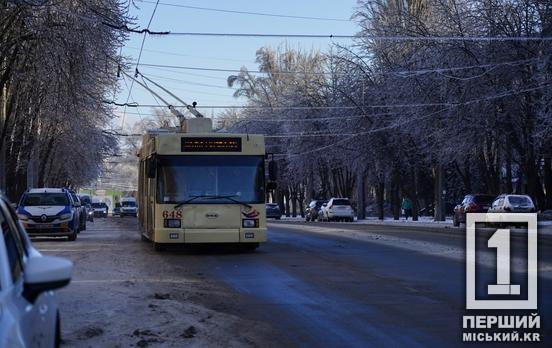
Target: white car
339, 209
29, 315
128, 207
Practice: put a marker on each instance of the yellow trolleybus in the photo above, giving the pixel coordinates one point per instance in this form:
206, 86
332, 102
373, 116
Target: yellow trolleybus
196, 186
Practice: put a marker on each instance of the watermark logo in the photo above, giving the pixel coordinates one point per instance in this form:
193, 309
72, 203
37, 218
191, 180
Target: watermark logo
502, 289
500, 241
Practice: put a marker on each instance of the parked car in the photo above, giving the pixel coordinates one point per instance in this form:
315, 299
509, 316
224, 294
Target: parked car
507, 203
472, 203
116, 210
81, 210
273, 211
100, 209
128, 207
29, 314
49, 212
339, 209
311, 211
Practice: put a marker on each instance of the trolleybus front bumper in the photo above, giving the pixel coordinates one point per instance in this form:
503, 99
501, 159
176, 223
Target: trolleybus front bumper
210, 235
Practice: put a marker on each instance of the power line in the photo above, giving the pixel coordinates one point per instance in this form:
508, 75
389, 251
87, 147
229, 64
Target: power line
400, 72
250, 12
192, 56
368, 37
468, 102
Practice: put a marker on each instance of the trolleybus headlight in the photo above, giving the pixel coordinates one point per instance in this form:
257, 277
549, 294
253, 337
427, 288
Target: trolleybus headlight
249, 223
172, 223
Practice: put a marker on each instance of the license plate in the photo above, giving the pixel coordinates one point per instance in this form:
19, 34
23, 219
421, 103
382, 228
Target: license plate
41, 226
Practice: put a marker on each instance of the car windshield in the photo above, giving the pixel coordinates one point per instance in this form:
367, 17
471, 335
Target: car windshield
483, 199
98, 205
129, 204
209, 179
272, 205
85, 199
45, 198
519, 200
341, 202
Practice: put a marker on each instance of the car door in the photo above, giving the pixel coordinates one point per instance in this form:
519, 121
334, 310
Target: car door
34, 322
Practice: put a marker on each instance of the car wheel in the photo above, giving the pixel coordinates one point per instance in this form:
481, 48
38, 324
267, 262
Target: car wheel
57, 337
73, 236
455, 221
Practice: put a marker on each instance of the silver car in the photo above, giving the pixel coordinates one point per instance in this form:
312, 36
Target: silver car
512, 204
29, 315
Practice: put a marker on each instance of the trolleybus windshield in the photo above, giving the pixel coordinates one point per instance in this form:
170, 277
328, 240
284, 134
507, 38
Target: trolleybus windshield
181, 178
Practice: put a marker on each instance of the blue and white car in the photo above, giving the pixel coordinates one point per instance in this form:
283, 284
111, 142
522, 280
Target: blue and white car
49, 212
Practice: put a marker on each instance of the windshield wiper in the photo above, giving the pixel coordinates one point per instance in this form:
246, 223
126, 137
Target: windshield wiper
179, 204
229, 197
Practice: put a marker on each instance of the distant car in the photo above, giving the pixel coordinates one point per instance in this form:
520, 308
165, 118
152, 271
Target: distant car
49, 212
81, 210
273, 211
29, 315
339, 209
128, 207
311, 211
100, 209
472, 203
89, 213
117, 209
506, 203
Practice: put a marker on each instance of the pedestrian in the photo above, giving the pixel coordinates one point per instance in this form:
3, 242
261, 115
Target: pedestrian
406, 207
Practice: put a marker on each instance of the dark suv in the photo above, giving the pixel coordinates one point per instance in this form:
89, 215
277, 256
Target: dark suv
311, 212
472, 203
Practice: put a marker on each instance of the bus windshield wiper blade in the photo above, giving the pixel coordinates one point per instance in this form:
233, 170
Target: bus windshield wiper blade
231, 198
179, 204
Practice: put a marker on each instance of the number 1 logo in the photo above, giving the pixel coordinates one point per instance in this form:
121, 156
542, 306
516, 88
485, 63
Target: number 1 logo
500, 241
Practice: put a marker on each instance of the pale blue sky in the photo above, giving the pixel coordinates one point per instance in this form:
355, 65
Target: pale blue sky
209, 88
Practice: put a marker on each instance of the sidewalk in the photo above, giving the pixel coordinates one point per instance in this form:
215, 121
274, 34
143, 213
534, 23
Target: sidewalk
544, 227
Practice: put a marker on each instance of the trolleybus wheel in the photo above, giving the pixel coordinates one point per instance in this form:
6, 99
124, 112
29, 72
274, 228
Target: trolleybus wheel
249, 247
158, 246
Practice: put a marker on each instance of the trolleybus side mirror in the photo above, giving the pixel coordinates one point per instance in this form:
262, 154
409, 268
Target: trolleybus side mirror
151, 167
272, 170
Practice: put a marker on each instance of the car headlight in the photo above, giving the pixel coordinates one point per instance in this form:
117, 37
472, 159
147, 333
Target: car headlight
22, 217
67, 216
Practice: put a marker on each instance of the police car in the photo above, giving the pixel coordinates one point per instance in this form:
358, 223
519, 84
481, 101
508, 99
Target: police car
50, 212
